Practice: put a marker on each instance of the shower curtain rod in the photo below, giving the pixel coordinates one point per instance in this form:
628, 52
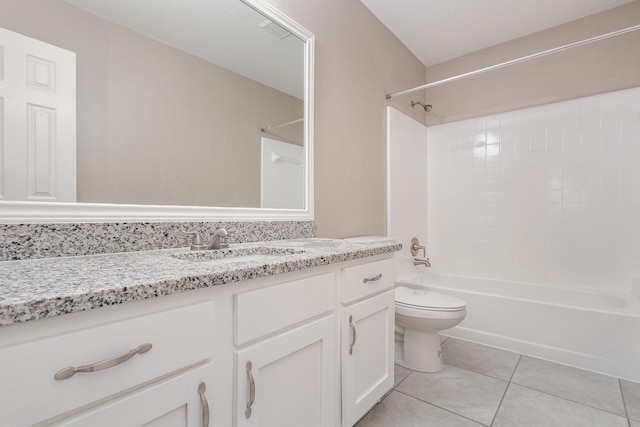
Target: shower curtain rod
515, 61
281, 125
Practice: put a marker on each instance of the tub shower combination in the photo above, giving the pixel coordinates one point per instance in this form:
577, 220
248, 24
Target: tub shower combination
550, 183
593, 330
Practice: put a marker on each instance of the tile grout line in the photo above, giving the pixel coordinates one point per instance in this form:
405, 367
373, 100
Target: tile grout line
510, 381
572, 401
506, 389
391, 390
566, 399
624, 402
444, 409
483, 373
515, 368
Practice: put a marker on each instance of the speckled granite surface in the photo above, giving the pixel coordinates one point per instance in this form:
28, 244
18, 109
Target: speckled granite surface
40, 288
28, 241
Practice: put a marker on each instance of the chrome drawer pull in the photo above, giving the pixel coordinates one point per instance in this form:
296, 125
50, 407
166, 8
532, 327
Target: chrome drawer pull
372, 279
205, 404
252, 390
70, 371
353, 334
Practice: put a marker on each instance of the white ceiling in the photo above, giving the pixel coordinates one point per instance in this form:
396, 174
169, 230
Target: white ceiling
439, 30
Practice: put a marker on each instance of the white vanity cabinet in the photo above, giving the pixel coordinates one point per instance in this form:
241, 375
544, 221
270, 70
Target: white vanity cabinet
285, 374
180, 401
270, 352
45, 380
367, 319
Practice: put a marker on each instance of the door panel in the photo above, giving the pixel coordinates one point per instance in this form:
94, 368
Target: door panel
367, 354
293, 378
37, 120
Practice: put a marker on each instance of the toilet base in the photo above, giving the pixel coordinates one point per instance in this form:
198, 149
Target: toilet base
422, 351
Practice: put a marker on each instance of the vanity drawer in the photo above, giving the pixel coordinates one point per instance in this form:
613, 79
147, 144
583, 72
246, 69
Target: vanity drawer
267, 310
30, 392
363, 280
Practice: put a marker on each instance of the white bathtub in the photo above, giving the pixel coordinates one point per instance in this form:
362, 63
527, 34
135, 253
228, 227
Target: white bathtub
598, 331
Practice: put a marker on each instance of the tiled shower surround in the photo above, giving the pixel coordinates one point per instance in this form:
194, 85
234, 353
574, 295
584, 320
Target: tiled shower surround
26, 241
549, 194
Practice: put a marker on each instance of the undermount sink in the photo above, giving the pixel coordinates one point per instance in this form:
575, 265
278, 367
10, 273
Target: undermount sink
236, 254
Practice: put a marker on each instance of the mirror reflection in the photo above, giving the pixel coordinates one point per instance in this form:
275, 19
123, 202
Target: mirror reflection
189, 103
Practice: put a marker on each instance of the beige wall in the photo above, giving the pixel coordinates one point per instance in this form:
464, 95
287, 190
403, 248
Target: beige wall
358, 61
599, 67
155, 125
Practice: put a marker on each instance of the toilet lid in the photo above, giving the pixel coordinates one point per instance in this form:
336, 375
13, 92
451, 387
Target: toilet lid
427, 300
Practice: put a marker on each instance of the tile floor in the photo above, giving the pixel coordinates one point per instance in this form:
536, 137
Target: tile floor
484, 386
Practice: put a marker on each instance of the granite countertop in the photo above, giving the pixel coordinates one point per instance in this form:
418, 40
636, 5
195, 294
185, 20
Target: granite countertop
41, 288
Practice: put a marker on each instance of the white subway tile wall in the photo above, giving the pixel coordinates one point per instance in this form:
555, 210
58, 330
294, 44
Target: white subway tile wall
549, 194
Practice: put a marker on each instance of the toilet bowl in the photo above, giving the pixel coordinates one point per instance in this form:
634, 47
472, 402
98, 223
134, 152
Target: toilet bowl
420, 314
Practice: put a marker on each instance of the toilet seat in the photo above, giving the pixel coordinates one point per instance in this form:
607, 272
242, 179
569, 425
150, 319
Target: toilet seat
423, 299
420, 314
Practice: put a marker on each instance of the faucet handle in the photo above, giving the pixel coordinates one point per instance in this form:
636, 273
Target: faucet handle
415, 247
197, 244
217, 239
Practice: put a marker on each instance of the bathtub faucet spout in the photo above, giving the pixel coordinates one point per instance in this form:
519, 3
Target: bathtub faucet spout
425, 262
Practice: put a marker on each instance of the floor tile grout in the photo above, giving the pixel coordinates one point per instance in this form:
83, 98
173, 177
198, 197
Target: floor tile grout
506, 389
509, 384
440, 407
572, 401
515, 368
624, 403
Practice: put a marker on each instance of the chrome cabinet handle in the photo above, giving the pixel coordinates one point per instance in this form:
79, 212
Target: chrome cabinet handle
353, 334
252, 390
202, 387
70, 371
372, 279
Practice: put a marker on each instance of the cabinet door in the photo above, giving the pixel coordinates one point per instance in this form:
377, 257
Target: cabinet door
367, 354
180, 338
288, 380
180, 401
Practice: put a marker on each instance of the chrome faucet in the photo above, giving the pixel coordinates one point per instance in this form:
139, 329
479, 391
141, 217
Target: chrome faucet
215, 241
415, 248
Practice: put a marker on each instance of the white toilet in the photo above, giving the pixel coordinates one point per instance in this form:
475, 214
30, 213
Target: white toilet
420, 314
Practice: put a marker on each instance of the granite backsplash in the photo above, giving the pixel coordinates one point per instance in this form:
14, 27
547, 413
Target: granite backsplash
30, 241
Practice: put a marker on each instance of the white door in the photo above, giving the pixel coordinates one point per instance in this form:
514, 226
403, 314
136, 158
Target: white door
289, 380
368, 329
37, 120
282, 180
